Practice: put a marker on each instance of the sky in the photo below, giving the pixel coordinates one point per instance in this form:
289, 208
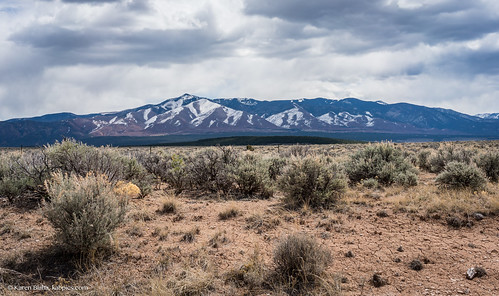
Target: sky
85, 56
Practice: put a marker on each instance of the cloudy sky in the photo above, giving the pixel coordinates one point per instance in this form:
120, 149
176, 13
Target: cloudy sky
86, 56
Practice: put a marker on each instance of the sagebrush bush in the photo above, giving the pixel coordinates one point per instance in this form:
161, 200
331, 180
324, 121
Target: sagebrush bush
382, 162
169, 168
423, 159
370, 183
276, 166
23, 173
213, 169
296, 151
489, 164
84, 211
439, 161
72, 157
313, 182
251, 178
458, 175
300, 261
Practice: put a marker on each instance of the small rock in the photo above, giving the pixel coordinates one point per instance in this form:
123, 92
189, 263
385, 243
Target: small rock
344, 280
416, 265
475, 272
397, 260
427, 261
455, 222
478, 216
378, 281
472, 245
382, 214
436, 216
400, 249
349, 254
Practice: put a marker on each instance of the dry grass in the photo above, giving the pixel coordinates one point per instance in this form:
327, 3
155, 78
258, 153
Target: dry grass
229, 213
169, 206
431, 199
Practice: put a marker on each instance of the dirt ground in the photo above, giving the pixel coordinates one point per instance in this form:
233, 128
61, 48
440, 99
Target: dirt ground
151, 247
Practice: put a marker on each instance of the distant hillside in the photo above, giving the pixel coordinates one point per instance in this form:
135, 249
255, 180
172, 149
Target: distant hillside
262, 140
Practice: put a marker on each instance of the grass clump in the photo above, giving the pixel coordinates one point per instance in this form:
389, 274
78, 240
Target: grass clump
85, 211
458, 175
251, 274
190, 235
312, 182
251, 177
300, 262
229, 213
382, 162
169, 206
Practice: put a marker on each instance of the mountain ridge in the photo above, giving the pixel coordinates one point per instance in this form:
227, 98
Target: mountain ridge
190, 114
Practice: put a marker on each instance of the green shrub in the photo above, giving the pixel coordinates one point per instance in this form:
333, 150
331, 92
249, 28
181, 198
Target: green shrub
448, 154
458, 175
296, 151
251, 178
71, 157
382, 162
423, 160
300, 262
489, 164
370, 183
20, 174
84, 211
169, 168
276, 167
213, 170
312, 182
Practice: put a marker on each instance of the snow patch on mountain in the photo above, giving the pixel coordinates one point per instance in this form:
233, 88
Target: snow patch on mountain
248, 102
233, 116
288, 118
345, 119
488, 115
150, 121
146, 113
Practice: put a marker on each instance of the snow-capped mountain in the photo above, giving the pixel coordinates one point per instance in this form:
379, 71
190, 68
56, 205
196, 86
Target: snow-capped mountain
488, 116
189, 114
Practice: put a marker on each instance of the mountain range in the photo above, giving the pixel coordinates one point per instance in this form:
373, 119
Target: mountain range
193, 115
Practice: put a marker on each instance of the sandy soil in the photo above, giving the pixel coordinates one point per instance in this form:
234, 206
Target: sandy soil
151, 246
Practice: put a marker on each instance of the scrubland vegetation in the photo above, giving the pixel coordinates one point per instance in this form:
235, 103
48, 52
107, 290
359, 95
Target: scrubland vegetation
241, 220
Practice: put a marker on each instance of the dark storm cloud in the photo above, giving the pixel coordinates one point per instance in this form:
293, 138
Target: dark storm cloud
384, 24
109, 46
470, 63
